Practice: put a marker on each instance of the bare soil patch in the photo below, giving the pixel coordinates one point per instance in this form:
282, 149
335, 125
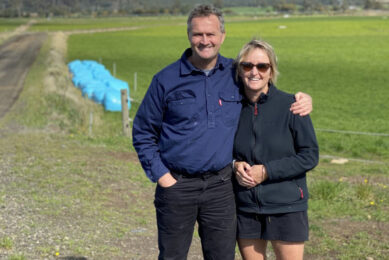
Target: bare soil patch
16, 56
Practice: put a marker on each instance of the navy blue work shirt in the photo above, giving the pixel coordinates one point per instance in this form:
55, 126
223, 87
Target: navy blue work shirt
187, 119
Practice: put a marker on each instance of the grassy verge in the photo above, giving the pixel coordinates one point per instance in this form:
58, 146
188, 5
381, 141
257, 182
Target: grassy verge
349, 211
65, 191
72, 198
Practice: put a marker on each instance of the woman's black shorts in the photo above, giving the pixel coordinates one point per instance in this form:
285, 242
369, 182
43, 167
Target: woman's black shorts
290, 227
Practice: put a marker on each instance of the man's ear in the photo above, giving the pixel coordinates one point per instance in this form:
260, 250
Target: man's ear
224, 37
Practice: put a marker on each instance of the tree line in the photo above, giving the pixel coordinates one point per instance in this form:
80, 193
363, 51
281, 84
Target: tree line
44, 8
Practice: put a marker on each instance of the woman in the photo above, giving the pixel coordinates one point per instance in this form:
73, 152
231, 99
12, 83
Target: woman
273, 150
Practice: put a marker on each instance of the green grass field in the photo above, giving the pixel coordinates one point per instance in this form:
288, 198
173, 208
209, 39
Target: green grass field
81, 192
7, 25
341, 62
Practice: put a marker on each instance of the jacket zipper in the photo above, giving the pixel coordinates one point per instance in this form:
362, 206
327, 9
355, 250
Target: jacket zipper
256, 190
254, 141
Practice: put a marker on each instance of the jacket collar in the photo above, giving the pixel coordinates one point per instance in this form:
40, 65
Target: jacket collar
263, 98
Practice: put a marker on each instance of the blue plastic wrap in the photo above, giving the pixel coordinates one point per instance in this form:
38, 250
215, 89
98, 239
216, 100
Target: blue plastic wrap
97, 83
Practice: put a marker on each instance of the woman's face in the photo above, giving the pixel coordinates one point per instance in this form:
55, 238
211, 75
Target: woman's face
255, 71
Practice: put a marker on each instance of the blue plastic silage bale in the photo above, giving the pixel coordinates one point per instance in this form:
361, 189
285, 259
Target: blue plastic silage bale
102, 74
81, 79
97, 83
99, 94
112, 100
91, 87
118, 85
74, 66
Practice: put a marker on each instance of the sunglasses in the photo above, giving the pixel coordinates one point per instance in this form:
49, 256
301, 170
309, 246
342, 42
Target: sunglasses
261, 67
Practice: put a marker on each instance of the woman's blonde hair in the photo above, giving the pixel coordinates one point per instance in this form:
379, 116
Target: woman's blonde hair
260, 44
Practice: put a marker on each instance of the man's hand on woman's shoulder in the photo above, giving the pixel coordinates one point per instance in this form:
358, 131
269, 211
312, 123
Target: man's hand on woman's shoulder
303, 104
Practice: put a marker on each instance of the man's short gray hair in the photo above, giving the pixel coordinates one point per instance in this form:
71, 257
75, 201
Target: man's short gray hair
203, 11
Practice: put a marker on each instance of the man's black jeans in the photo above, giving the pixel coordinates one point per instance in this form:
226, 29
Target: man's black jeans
205, 198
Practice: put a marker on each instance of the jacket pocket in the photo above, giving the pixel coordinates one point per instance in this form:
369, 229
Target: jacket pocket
280, 193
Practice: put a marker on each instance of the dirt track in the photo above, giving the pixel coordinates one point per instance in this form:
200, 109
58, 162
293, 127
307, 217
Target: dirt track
17, 54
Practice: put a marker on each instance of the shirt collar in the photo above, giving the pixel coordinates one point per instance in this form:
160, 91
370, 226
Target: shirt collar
188, 68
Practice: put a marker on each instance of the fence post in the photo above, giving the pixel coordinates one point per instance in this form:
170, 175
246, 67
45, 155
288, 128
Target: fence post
125, 119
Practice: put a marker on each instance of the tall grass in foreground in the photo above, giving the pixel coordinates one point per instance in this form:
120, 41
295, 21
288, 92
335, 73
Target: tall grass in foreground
339, 61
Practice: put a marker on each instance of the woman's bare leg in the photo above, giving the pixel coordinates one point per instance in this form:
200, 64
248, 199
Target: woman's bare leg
288, 250
252, 249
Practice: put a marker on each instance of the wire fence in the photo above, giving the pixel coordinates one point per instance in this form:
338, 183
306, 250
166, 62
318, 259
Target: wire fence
350, 132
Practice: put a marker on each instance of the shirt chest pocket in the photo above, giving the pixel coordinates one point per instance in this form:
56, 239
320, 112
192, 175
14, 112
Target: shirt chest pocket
230, 106
181, 109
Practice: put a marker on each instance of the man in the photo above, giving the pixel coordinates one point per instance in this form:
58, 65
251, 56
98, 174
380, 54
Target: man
183, 133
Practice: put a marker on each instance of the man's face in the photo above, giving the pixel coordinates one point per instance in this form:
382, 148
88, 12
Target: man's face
206, 38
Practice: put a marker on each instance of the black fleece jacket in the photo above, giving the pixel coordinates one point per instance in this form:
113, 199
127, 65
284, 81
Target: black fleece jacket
269, 134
